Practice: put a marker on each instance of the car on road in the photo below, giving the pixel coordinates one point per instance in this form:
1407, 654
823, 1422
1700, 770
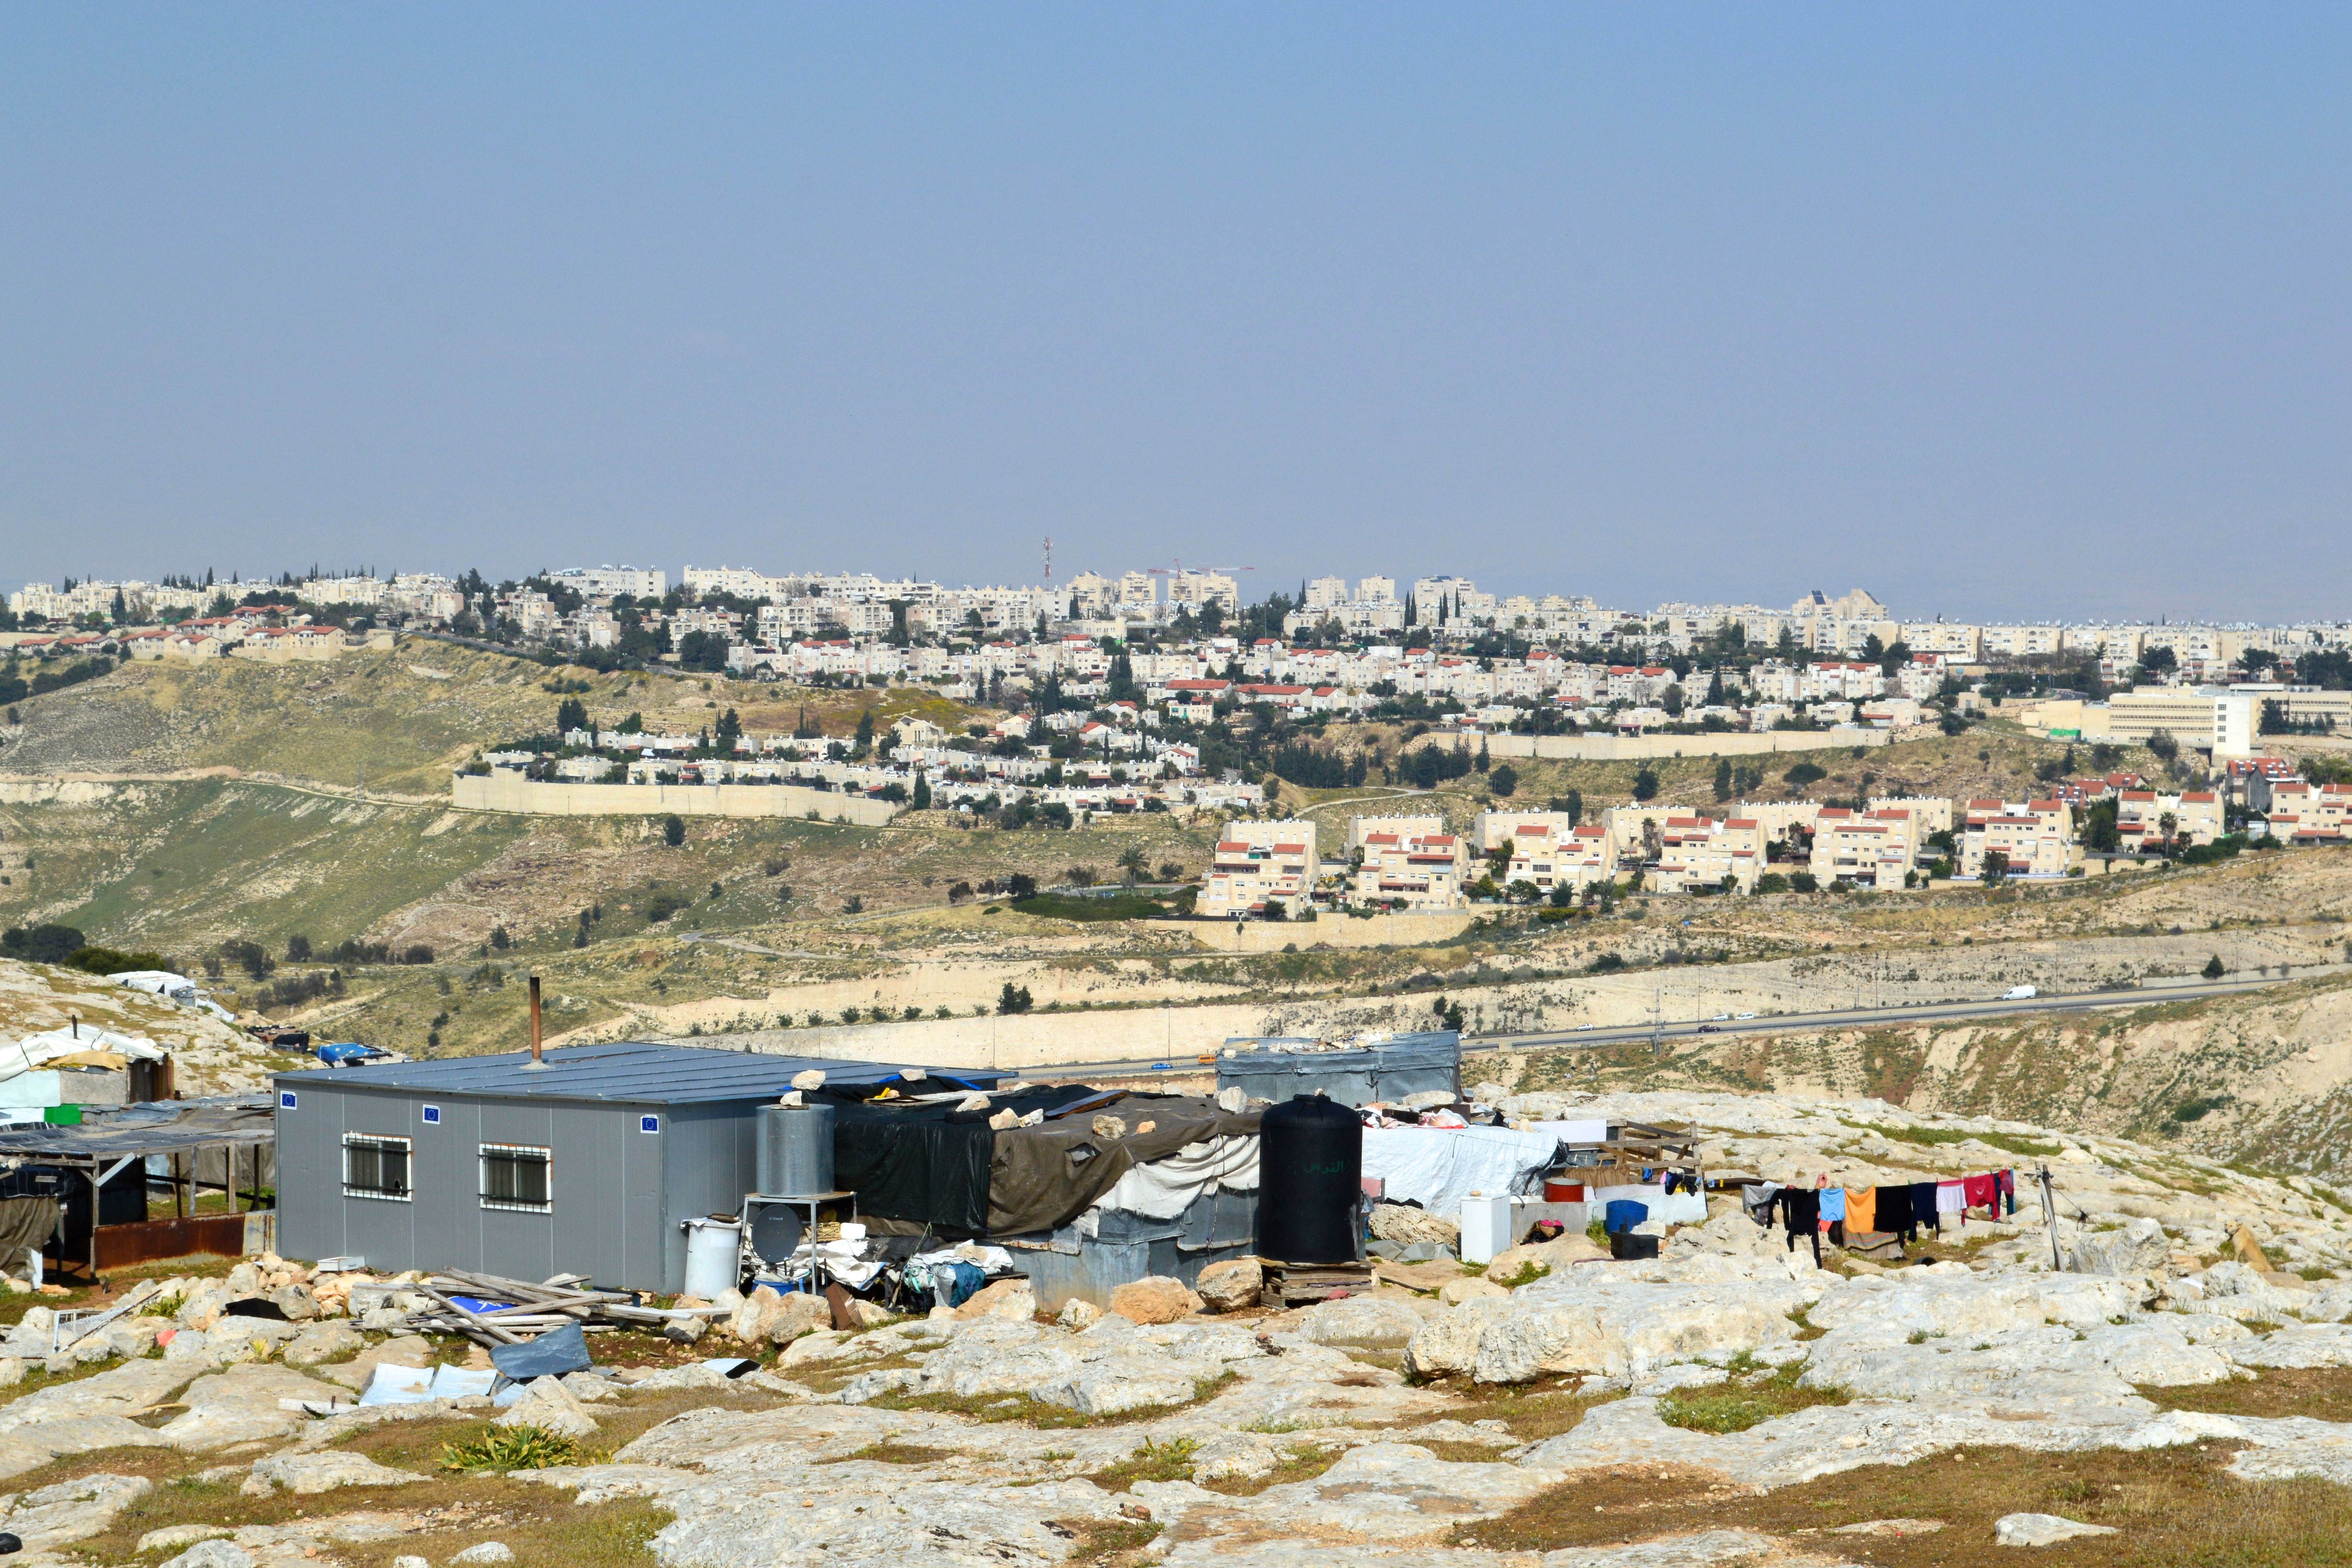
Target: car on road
1708, 1029
1743, 1014
2019, 993
1723, 1018
1581, 1027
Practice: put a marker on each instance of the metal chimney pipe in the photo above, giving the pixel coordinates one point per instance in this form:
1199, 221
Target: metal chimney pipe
535, 1060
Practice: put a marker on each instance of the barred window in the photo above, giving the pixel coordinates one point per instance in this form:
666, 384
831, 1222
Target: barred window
515, 1176
375, 1167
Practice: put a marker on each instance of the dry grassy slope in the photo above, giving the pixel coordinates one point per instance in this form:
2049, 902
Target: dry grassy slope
1980, 762
212, 1057
403, 717
2263, 1078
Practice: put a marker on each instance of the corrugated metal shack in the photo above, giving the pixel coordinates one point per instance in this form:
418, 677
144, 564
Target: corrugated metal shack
587, 1164
1276, 1068
50, 1176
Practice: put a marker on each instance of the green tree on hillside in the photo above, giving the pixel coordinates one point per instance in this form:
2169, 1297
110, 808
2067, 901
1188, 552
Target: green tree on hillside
673, 830
571, 714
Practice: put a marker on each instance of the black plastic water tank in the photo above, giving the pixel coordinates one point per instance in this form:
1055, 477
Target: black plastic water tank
1310, 1165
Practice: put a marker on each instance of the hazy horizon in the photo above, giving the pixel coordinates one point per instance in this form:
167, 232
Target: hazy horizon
1997, 314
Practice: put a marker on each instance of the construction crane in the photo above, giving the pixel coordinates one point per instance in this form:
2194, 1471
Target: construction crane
1049, 558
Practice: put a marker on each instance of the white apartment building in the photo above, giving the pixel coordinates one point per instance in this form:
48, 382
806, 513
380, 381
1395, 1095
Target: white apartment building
2037, 837
1324, 593
1257, 864
1874, 848
1408, 863
1697, 854
605, 582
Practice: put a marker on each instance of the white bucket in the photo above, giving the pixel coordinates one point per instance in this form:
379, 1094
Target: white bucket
714, 1257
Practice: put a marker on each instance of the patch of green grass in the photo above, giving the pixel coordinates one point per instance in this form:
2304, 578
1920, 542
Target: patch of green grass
1737, 1406
510, 1449
1169, 1461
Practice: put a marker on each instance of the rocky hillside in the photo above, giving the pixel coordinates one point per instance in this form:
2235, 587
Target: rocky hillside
2179, 1392
2261, 1079
211, 1058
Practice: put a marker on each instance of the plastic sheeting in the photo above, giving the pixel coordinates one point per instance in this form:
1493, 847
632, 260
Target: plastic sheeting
418, 1384
1165, 1188
1389, 1070
39, 1050
549, 1355
1437, 1168
1574, 1132
1667, 1208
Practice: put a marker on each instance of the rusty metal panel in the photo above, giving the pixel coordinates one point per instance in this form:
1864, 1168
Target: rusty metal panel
154, 1240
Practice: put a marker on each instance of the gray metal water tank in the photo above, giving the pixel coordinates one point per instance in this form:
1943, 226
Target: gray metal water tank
796, 1150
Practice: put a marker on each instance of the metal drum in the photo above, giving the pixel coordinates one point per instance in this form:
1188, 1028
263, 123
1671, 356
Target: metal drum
796, 1150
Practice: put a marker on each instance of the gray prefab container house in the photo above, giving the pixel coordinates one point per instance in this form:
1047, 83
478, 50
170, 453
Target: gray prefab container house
587, 1164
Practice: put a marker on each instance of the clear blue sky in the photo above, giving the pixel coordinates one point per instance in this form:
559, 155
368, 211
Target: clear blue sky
1992, 310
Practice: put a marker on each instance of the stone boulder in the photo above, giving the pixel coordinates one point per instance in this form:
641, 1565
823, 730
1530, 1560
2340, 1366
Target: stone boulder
306, 1475
322, 1341
1011, 1299
1078, 1313
2041, 1530
549, 1406
2139, 1247
1155, 1298
71, 1510
1470, 1288
1405, 1225
1231, 1286
1547, 1257
1367, 1322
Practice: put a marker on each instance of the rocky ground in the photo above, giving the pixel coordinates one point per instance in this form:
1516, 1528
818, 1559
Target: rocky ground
2179, 1392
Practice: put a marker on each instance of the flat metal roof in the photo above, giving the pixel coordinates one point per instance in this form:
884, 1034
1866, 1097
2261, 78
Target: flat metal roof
631, 1071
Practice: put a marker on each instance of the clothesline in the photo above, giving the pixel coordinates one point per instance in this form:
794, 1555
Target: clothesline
1899, 1211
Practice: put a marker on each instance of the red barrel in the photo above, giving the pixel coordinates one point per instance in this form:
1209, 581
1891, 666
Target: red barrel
1563, 1192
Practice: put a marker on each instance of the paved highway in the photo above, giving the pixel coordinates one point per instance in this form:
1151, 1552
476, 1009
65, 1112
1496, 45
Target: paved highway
1763, 1024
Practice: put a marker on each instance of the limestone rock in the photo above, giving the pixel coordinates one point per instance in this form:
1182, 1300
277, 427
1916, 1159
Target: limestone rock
1548, 1257
71, 1510
2139, 1247
489, 1552
240, 1405
549, 1406
1008, 1299
801, 1313
1155, 1298
297, 1301
1231, 1286
2041, 1530
1077, 1314
308, 1474
213, 1553
1405, 1224
1363, 1322
321, 1343
686, 1331
1471, 1287
173, 1536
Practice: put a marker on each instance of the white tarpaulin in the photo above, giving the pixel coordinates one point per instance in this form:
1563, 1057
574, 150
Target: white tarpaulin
417, 1384
1665, 1208
1438, 1167
25, 1055
1573, 1131
1166, 1187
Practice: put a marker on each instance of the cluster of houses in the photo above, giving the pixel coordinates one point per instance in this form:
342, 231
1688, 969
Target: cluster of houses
1262, 868
1124, 766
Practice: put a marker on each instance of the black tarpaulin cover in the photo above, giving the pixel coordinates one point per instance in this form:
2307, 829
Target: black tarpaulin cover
924, 1161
